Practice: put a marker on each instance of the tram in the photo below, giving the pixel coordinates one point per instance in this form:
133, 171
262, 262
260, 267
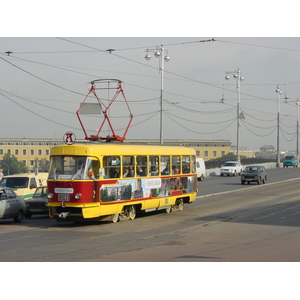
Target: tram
97, 181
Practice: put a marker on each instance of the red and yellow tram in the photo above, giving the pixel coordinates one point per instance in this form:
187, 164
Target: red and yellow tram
116, 181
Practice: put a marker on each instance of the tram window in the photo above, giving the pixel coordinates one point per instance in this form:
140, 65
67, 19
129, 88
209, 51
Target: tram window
186, 164
128, 166
68, 167
165, 165
193, 164
141, 167
111, 166
175, 164
154, 166
92, 168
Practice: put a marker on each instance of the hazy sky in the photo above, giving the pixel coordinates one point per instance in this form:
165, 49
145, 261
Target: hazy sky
44, 80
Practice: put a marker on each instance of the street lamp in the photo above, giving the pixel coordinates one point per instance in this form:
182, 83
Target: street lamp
278, 91
159, 52
237, 75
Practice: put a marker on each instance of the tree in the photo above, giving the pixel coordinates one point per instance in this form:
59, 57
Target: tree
10, 165
43, 164
227, 157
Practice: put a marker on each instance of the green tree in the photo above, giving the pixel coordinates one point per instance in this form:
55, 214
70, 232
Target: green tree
43, 164
229, 156
10, 165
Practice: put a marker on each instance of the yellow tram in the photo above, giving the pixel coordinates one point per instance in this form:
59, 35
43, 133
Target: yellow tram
117, 181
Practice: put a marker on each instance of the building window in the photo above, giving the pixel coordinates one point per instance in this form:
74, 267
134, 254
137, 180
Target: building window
31, 151
16, 151
31, 163
222, 153
9, 151
197, 153
47, 152
1, 152
205, 153
214, 153
40, 152
24, 152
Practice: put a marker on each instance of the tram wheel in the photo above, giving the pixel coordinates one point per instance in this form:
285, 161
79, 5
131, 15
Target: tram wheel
169, 209
115, 218
179, 204
131, 212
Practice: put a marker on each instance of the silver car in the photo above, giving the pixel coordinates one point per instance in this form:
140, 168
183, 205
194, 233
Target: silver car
11, 205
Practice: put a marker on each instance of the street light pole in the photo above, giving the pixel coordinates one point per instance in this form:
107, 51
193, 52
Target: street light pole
239, 78
278, 91
161, 70
159, 53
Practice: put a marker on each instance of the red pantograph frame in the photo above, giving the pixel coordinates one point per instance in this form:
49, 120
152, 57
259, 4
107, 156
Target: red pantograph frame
93, 90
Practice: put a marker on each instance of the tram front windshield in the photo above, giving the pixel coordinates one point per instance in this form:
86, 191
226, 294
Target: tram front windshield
73, 168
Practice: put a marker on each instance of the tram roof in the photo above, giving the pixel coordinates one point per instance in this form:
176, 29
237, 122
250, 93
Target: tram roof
119, 149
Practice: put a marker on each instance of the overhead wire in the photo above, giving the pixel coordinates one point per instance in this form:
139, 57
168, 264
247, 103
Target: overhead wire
185, 77
198, 132
36, 114
56, 85
260, 135
199, 122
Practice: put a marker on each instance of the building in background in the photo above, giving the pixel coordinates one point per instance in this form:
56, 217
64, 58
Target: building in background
32, 151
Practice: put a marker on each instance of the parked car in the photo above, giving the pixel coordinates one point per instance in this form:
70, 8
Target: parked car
290, 161
38, 203
256, 174
231, 168
11, 205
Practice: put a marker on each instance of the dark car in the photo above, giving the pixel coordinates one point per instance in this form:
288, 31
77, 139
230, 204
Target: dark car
11, 205
255, 173
38, 204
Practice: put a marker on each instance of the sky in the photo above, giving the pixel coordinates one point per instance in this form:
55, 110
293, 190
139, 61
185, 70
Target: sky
47, 76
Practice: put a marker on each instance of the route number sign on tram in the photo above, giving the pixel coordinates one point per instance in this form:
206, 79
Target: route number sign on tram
69, 138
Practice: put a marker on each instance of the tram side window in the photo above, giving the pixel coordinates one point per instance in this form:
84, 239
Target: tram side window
111, 166
186, 169
141, 168
128, 166
165, 165
154, 166
193, 164
176, 164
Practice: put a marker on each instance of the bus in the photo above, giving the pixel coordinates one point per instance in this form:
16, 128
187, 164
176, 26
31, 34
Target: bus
98, 181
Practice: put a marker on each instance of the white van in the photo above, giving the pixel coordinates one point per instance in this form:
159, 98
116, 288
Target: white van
200, 168
24, 184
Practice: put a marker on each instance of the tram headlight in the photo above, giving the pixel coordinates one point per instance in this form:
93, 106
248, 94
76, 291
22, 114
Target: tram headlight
77, 196
50, 196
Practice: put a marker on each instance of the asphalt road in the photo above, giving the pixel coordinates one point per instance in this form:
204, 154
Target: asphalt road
228, 222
